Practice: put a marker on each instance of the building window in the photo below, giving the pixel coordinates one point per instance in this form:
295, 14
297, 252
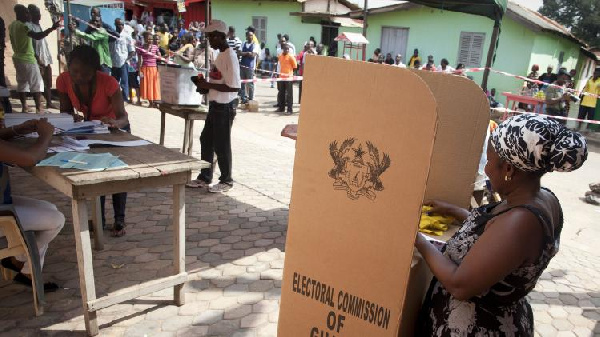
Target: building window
260, 24
470, 49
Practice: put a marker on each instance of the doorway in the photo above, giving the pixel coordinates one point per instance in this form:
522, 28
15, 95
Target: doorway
328, 35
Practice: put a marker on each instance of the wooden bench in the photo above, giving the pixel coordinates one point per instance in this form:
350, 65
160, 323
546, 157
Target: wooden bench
189, 114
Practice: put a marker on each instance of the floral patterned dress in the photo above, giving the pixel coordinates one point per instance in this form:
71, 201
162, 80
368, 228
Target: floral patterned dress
501, 311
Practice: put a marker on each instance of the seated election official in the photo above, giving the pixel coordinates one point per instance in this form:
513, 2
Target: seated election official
38, 216
97, 96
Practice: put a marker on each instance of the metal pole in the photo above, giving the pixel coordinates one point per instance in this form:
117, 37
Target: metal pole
68, 22
365, 14
490, 56
206, 49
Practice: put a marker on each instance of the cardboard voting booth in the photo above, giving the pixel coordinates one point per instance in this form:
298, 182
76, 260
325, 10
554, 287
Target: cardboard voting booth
367, 141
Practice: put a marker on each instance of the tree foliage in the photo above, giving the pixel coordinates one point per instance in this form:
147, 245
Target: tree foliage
582, 17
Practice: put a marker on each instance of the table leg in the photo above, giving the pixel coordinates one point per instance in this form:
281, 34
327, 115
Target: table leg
83, 247
97, 223
162, 127
186, 134
179, 239
191, 138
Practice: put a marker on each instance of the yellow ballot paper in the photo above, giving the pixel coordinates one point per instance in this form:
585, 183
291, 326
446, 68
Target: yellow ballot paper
365, 139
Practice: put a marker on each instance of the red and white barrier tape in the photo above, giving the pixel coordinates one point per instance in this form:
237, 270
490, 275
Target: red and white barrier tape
524, 78
505, 110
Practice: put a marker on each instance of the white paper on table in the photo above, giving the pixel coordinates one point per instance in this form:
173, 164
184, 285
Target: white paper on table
129, 143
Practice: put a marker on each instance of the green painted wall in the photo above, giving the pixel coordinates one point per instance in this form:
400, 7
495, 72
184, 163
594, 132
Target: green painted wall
239, 13
547, 48
436, 32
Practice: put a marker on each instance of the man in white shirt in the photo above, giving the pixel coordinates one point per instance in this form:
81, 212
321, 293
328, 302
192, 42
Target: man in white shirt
445, 68
221, 89
121, 50
42, 54
398, 62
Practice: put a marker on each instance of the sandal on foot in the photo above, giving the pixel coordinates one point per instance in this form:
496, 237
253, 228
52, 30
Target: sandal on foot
197, 183
8, 264
118, 229
49, 287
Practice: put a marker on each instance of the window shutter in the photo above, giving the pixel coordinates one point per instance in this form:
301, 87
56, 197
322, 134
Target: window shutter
260, 23
470, 49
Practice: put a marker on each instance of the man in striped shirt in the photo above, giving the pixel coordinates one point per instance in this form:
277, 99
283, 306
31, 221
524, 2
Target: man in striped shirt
233, 41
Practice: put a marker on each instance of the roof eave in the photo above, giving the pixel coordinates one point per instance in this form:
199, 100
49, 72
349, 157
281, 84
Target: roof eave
392, 8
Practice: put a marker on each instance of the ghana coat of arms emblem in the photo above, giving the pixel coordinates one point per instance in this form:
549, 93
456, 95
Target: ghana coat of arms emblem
358, 168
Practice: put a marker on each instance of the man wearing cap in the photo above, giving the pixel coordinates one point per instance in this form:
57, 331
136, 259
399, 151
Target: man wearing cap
221, 89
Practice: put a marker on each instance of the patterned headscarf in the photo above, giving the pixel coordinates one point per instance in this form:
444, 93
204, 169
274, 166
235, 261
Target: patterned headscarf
535, 143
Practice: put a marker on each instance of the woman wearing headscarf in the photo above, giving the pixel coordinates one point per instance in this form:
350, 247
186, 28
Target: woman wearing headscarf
485, 271
96, 95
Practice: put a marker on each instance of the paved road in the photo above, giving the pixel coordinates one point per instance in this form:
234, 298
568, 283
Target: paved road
235, 249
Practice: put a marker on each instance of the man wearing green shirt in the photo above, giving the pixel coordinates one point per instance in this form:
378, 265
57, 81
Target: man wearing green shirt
29, 78
99, 39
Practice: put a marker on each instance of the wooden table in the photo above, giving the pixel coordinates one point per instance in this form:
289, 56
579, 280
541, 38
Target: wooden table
189, 115
150, 166
537, 103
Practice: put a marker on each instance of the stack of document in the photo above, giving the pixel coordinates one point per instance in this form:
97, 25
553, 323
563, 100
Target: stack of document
84, 161
82, 127
62, 122
68, 144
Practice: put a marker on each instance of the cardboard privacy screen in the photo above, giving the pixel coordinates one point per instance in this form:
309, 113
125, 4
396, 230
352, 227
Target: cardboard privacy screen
464, 115
365, 140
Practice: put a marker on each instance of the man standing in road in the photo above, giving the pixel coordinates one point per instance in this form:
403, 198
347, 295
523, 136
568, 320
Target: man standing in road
249, 52
285, 95
42, 54
121, 51
588, 103
221, 89
29, 78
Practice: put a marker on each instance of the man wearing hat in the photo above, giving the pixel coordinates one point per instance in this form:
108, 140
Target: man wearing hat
221, 88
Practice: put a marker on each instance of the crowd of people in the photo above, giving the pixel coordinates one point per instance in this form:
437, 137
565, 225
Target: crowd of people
416, 62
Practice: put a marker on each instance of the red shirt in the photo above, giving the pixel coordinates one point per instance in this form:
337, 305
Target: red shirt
106, 87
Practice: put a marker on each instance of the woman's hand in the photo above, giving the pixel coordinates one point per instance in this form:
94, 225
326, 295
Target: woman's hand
77, 117
110, 122
447, 209
439, 207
